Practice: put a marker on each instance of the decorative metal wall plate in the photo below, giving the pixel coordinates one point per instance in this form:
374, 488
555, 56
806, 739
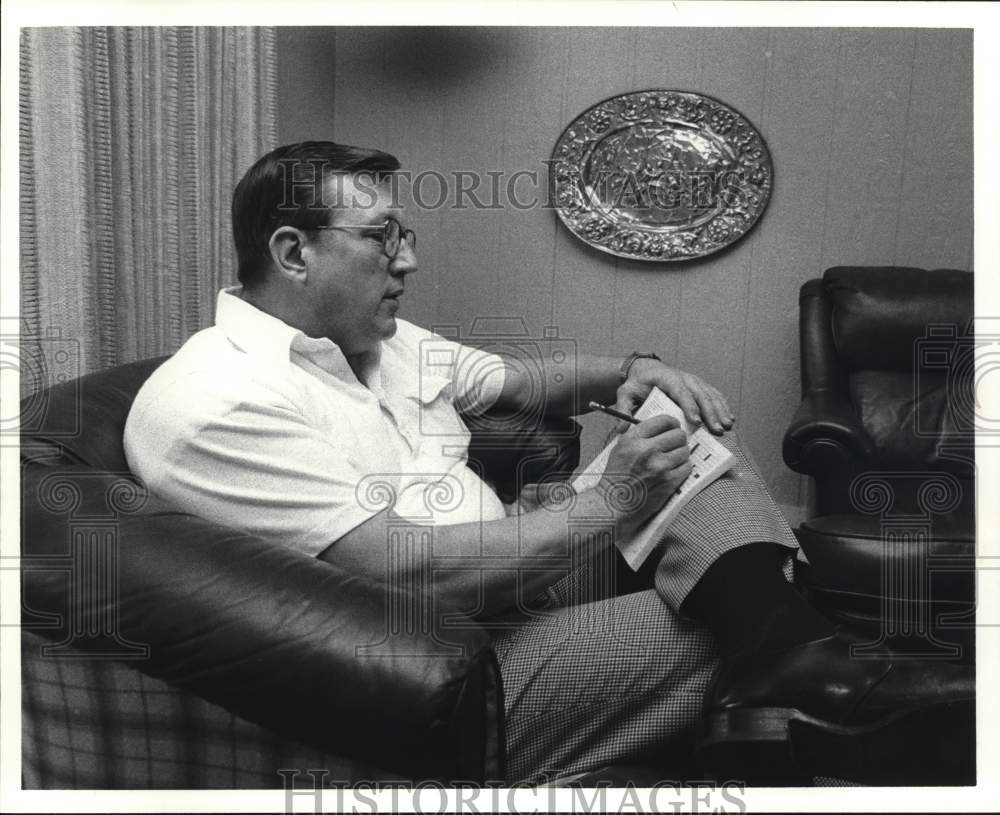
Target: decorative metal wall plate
660, 175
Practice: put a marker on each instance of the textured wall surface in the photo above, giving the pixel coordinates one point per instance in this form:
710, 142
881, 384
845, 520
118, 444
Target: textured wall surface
870, 131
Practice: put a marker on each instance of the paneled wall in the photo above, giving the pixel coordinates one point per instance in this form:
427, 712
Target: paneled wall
870, 131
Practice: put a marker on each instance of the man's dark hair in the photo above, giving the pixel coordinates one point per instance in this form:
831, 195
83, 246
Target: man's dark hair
285, 188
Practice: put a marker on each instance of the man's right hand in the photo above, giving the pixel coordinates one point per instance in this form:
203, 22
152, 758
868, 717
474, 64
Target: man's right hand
645, 468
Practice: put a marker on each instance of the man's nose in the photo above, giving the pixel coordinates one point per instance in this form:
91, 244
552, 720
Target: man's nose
405, 261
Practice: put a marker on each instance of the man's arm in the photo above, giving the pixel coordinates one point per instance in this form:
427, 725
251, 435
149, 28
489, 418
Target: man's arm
561, 389
480, 568
487, 568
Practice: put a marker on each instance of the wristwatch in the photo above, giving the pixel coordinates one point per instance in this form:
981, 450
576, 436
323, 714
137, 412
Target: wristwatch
631, 358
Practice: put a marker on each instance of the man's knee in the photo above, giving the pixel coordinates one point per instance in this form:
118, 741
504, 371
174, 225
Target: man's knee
731, 439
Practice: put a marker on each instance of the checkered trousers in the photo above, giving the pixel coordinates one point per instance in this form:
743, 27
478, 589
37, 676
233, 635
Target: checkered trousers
592, 679
99, 724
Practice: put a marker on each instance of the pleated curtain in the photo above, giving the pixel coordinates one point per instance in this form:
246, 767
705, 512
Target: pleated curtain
131, 141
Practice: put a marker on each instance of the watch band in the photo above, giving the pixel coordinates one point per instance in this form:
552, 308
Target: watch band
631, 358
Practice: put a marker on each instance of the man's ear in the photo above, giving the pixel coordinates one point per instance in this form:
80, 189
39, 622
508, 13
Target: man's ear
286, 252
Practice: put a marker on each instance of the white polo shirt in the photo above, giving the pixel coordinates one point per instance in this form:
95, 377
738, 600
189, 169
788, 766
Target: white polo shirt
256, 426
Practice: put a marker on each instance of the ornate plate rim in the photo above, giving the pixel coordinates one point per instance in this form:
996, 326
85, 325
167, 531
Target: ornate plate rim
756, 138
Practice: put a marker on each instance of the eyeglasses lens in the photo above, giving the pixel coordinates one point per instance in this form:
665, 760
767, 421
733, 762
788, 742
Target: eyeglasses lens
391, 238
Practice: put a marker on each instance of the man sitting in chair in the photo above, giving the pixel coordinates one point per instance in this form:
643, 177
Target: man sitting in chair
308, 384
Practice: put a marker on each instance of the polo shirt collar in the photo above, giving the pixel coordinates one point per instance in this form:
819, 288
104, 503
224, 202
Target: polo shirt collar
261, 334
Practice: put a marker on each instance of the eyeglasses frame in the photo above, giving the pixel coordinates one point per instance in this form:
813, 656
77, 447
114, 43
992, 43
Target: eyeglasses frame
404, 234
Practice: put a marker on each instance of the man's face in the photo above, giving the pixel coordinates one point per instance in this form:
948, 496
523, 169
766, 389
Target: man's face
352, 286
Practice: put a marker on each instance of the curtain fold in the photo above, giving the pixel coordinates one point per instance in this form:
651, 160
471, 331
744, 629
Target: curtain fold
131, 141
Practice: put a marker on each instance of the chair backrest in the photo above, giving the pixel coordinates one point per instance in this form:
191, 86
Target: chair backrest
897, 342
82, 421
880, 315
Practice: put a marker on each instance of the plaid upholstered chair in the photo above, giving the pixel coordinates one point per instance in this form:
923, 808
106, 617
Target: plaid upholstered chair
163, 651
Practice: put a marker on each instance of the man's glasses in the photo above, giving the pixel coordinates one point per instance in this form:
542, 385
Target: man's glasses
392, 230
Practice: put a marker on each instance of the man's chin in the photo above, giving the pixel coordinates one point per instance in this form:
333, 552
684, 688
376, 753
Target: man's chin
387, 326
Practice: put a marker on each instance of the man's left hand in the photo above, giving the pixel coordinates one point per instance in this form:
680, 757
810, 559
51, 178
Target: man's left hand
700, 402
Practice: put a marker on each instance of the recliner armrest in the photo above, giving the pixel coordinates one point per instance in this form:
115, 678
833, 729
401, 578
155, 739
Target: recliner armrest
826, 435
511, 451
275, 636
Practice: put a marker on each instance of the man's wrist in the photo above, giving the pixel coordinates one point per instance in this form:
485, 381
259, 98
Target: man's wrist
609, 500
630, 360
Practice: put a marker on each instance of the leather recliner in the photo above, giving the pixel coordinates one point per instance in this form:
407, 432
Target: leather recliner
160, 650
886, 429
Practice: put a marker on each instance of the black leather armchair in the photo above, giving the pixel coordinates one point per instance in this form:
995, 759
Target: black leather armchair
885, 428
160, 650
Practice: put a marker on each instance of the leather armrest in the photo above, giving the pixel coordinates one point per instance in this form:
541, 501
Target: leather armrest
820, 364
511, 451
275, 636
826, 435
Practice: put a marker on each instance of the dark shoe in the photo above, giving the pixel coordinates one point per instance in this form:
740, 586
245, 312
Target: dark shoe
813, 710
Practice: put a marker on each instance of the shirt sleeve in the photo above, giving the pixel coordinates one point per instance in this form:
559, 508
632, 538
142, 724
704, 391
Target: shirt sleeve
477, 376
478, 379
251, 463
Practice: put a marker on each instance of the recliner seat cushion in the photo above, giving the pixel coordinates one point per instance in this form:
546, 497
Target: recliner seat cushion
854, 554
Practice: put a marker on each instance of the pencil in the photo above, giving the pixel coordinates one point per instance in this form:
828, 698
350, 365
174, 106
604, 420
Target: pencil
612, 412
